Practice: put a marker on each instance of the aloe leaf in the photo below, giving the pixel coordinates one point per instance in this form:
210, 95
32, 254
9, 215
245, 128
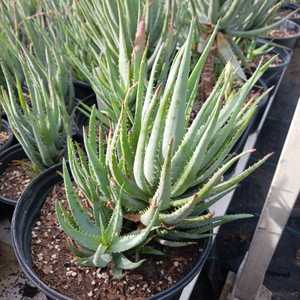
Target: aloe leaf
211, 183
125, 264
257, 32
147, 250
179, 214
139, 97
213, 9
79, 213
85, 239
174, 244
129, 186
238, 178
134, 239
124, 60
79, 252
138, 167
161, 198
101, 259
96, 164
195, 131
231, 11
176, 112
194, 164
116, 221
153, 155
194, 78
219, 221
182, 236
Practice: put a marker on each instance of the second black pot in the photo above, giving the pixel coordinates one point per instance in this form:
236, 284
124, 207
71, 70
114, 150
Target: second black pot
82, 90
28, 209
12, 153
10, 140
273, 74
291, 7
289, 41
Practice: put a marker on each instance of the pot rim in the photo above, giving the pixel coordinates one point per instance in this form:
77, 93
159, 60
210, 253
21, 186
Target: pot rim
283, 52
25, 204
9, 142
296, 35
7, 152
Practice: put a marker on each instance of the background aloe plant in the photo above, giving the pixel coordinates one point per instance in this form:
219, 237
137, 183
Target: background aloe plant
29, 26
106, 42
237, 20
155, 180
40, 116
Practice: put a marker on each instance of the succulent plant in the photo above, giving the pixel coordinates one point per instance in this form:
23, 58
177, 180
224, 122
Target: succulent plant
155, 180
40, 114
30, 28
113, 42
237, 20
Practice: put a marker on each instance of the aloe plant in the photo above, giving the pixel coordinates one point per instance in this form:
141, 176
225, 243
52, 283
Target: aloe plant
110, 39
155, 180
237, 20
39, 117
27, 26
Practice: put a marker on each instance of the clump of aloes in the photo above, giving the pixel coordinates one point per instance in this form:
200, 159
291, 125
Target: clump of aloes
236, 20
154, 183
39, 109
114, 35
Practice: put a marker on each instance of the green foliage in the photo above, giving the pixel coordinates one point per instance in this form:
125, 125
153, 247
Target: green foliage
236, 20
107, 41
40, 116
153, 179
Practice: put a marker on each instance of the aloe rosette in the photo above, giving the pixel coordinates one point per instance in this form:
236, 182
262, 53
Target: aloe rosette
40, 116
237, 20
154, 181
114, 36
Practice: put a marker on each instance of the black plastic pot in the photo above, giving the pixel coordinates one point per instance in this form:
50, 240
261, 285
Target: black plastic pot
15, 152
273, 74
28, 209
82, 90
10, 140
290, 41
290, 7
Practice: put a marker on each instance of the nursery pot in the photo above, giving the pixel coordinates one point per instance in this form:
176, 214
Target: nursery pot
28, 209
290, 7
82, 90
289, 41
273, 74
10, 140
15, 152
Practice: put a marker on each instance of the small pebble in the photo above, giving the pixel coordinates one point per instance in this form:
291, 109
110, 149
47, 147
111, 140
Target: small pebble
90, 294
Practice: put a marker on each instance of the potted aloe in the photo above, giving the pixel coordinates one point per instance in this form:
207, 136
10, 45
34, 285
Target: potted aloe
255, 50
39, 117
289, 8
132, 214
115, 35
238, 20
